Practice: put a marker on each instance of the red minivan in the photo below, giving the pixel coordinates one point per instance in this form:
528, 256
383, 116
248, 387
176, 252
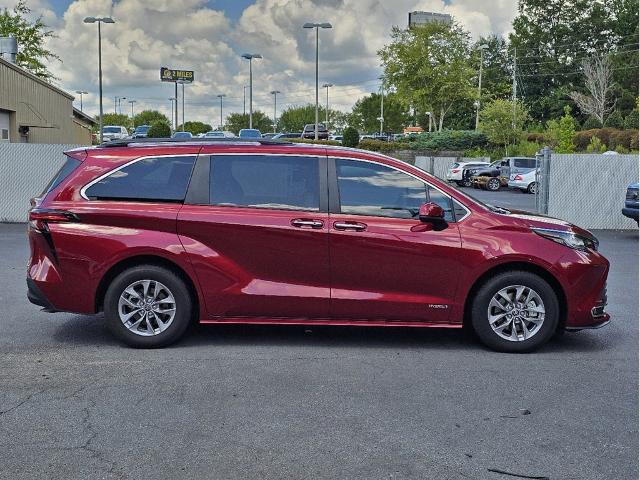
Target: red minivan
158, 234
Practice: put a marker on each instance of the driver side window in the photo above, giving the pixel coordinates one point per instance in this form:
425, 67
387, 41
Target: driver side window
380, 191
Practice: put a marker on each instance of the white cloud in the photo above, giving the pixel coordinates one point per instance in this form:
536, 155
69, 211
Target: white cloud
192, 35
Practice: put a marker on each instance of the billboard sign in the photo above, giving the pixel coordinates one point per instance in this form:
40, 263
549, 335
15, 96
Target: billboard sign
179, 76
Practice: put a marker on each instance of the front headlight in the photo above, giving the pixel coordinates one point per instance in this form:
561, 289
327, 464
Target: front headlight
570, 239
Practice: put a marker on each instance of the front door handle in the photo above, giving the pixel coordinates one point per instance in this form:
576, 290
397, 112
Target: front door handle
308, 223
354, 226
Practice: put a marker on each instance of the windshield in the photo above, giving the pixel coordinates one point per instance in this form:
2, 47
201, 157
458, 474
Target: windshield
215, 134
143, 129
111, 130
250, 133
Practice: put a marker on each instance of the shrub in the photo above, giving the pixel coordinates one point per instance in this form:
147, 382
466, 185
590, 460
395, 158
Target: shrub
631, 122
523, 149
537, 137
159, 129
450, 140
622, 138
621, 149
590, 123
350, 137
633, 144
596, 146
382, 146
566, 131
583, 138
614, 120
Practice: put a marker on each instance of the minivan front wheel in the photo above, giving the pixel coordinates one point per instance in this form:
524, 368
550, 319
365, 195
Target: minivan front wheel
515, 311
148, 306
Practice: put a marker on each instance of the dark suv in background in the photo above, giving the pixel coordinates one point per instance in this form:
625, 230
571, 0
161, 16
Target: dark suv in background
310, 132
630, 209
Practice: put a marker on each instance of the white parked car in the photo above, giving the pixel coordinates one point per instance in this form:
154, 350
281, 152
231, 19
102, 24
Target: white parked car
219, 134
454, 173
114, 132
525, 182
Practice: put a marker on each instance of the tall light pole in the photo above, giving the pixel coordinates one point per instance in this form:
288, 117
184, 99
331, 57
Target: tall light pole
244, 99
221, 96
173, 118
326, 116
99, 21
381, 118
317, 26
429, 113
275, 108
132, 102
117, 106
250, 57
477, 102
81, 92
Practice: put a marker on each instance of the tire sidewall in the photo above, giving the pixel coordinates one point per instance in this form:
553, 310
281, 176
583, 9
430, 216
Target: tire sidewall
179, 291
481, 301
493, 181
532, 188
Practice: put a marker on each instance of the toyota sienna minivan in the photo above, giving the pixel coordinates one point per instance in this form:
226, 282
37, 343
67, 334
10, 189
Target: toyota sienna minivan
157, 234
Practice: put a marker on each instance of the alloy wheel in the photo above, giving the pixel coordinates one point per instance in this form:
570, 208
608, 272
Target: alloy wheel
146, 307
516, 313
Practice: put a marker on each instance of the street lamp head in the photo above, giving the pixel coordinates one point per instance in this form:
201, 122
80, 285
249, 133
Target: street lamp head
327, 85
318, 25
221, 95
249, 56
274, 92
82, 92
98, 19
90, 20
309, 25
326, 25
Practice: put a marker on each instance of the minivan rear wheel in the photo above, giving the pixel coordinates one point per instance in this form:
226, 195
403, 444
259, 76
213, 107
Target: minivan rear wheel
148, 306
515, 311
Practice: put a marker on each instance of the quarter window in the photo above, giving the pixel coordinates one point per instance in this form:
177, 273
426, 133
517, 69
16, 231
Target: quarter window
148, 179
261, 181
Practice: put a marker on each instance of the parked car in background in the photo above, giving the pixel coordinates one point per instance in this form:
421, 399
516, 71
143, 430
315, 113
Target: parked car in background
141, 131
269, 135
281, 136
454, 173
182, 135
309, 131
249, 133
114, 132
218, 134
161, 233
631, 202
336, 138
510, 166
525, 182
486, 177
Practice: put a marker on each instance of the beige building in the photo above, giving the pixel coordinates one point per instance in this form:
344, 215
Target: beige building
34, 111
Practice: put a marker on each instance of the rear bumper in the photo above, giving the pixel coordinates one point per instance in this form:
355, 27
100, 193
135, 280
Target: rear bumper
35, 296
630, 212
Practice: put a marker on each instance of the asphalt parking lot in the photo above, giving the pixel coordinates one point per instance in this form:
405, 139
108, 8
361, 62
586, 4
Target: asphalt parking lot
287, 402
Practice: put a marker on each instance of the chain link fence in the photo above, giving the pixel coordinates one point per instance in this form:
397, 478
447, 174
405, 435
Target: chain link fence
586, 189
25, 170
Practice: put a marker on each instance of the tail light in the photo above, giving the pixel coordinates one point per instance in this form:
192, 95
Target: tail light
455, 170
517, 177
40, 217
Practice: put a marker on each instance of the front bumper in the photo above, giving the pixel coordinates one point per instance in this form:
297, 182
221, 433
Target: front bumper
630, 212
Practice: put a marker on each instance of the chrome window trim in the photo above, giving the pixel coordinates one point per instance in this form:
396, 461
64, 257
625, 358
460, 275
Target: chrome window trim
117, 169
417, 178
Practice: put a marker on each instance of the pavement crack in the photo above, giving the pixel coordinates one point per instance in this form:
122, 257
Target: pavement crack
25, 400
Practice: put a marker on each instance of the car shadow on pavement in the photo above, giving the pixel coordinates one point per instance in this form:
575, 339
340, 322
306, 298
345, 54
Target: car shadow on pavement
80, 330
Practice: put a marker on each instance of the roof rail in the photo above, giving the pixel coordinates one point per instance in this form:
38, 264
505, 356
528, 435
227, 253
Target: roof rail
135, 141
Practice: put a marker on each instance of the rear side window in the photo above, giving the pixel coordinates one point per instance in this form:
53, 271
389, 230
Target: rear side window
259, 181
69, 166
148, 179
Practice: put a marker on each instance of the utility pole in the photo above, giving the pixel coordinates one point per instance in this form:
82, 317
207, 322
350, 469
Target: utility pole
514, 93
326, 116
172, 99
221, 96
477, 102
275, 108
132, 102
244, 100
381, 109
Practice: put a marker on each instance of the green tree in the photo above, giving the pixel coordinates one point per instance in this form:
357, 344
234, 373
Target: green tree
238, 121
366, 112
32, 37
631, 122
615, 120
159, 129
566, 132
195, 127
148, 117
118, 119
591, 123
500, 125
350, 137
293, 119
429, 67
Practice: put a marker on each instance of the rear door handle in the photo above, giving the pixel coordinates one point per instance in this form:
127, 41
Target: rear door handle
307, 223
355, 226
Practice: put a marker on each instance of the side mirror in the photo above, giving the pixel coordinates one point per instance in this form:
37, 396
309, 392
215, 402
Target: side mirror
431, 213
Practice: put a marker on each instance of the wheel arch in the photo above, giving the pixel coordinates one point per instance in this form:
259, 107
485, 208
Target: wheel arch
517, 266
136, 260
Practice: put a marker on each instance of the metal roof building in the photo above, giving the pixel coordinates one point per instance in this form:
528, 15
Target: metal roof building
34, 111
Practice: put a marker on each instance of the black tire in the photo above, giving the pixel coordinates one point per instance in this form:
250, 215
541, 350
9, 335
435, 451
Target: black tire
177, 287
482, 299
493, 184
532, 187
